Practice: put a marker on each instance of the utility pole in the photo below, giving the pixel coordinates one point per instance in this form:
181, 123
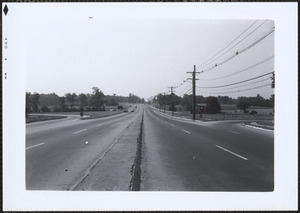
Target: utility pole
172, 100
194, 91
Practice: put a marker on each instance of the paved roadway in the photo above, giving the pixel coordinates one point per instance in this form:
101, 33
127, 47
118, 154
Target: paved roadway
59, 152
205, 156
176, 154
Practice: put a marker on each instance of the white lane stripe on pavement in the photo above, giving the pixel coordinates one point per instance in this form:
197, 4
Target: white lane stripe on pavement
172, 124
79, 131
232, 152
35, 145
237, 133
186, 131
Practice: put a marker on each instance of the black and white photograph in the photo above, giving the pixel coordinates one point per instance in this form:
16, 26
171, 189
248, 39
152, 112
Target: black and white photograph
151, 106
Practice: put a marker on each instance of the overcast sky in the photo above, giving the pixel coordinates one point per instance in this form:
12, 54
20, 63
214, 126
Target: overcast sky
70, 49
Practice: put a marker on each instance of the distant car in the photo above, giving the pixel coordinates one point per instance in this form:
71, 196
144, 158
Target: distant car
112, 110
125, 110
135, 106
132, 110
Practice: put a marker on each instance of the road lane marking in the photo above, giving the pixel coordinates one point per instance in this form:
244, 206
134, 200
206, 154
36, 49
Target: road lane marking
186, 131
35, 145
196, 155
232, 152
79, 131
99, 125
237, 133
172, 124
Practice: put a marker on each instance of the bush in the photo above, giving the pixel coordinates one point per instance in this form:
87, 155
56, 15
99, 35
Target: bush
172, 108
253, 112
45, 109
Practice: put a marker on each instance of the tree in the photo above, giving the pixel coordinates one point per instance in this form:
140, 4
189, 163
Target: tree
83, 100
28, 103
243, 104
62, 103
98, 99
212, 105
70, 98
35, 101
186, 101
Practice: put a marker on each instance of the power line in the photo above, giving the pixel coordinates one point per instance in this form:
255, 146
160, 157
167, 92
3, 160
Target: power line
237, 82
238, 42
267, 79
236, 91
241, 51
243, 70
206, 62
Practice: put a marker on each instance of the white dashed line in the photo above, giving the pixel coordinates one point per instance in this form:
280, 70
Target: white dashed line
79, 131
172, 124
187, 131
237, 133
35, 145
232, 152
99, 125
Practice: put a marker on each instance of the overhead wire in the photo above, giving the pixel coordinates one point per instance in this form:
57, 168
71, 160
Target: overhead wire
207, 61
236, 91
243, 70
240, 51
220, 86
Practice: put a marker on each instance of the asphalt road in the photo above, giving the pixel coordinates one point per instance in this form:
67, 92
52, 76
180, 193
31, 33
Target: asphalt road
205, 156
177, 155
59, 152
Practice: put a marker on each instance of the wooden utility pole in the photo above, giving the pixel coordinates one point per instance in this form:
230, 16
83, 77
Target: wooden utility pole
194, 91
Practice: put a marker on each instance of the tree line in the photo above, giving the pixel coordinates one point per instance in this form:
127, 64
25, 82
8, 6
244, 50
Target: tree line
71, 102
212, 103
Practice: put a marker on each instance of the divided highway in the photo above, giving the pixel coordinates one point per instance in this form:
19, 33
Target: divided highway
205, 156
176, 154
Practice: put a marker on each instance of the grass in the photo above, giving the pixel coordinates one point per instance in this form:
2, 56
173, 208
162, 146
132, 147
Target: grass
37, 118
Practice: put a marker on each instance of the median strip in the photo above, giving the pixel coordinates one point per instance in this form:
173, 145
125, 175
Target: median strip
232, 152
79, 131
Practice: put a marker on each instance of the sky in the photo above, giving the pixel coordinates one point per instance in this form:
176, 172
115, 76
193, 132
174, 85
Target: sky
73, 50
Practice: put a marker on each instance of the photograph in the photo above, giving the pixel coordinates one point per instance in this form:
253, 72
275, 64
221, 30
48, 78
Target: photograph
119, 100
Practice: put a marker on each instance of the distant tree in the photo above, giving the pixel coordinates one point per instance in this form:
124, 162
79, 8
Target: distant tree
70, 98
97, 99
49, 100
111, 101
225, 100
173, 108
45, 109
186, 101
35, 101
28, 103
62, 103
83, 99
212, 105
243, 104
272, 101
